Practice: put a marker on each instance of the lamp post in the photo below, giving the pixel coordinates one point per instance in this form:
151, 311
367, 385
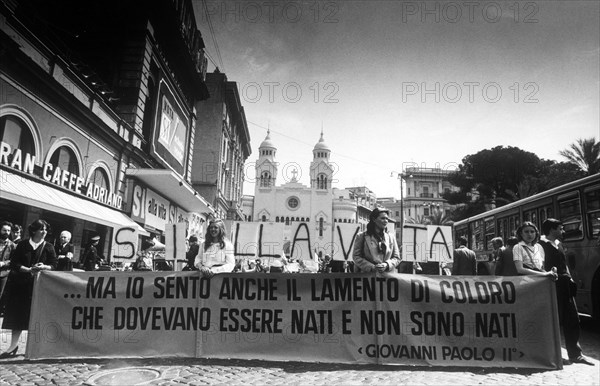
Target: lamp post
400, 177
401, 207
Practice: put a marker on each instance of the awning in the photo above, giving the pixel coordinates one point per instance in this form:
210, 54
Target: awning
29, 192
169, 185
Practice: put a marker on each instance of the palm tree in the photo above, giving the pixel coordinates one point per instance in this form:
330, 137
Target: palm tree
585, 154
419, 219
439, 217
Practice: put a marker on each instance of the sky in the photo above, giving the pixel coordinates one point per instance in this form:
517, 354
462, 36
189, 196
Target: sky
394, 84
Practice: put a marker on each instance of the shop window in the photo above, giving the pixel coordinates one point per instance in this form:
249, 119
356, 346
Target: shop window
65, 158
15, 132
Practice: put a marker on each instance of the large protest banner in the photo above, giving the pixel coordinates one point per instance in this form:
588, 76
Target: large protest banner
343, 318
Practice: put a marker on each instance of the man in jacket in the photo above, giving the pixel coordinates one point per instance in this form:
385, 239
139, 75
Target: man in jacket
565, 288
465, 260
64, 251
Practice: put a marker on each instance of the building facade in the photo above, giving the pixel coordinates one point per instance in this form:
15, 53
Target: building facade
98, 118
221, 151
424, 189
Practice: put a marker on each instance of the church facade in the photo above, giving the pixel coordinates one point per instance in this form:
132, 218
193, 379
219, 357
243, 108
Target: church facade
320, 206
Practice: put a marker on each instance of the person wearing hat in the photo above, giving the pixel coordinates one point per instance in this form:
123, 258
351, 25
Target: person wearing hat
192, 252
375, 250
90, 256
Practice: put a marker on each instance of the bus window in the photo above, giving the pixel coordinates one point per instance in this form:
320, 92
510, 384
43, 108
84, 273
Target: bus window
490, 233
543, 215
534, 219
569, 212
594, 224
501, 226
476, 242
592, 206
511, 225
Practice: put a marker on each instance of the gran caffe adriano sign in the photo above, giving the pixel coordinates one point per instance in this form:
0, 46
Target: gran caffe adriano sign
25, 162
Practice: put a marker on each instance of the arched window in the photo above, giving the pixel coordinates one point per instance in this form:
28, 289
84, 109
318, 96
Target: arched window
65, 158
321, 227
100, 178
321, 181
265, 179
287, 221
15, 132
264, 218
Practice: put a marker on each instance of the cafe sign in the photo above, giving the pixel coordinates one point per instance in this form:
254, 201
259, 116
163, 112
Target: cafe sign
25, 162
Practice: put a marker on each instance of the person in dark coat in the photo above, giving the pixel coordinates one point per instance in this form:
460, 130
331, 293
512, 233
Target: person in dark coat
565, 288
505, 266
6, 248
465, 260
64, 251
17, 233
30, 256
192, 252
90, 256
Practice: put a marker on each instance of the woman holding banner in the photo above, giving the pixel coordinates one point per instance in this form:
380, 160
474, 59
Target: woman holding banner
30, 256
528, 255
375, 250
215, 254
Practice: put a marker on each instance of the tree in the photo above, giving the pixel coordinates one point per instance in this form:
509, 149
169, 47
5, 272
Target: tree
439, 217
488, 177
419, 219
585, 154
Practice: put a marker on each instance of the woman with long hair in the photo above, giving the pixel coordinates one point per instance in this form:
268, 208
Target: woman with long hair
528, 255
30, 256
215, 254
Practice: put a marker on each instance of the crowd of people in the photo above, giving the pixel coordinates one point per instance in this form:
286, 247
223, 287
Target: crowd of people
375, 251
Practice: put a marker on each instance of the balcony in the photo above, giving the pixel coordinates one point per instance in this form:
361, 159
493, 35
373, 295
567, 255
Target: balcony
426, 195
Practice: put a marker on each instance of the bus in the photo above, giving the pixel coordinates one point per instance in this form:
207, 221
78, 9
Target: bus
577, 205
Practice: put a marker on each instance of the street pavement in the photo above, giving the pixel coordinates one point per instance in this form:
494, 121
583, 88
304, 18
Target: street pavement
174, 371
